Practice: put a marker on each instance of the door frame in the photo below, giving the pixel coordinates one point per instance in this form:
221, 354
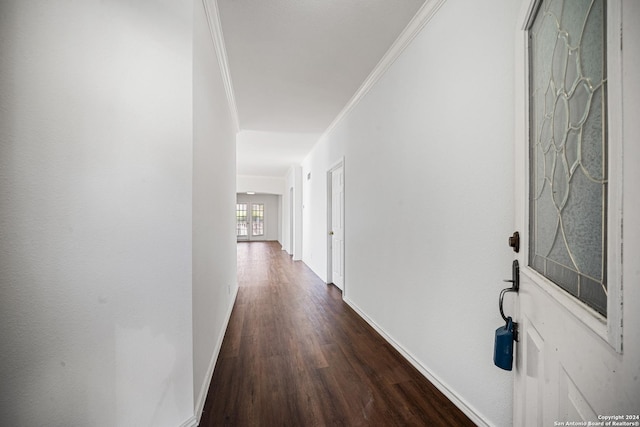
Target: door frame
609, 328
272, 208
291, 229
332, 168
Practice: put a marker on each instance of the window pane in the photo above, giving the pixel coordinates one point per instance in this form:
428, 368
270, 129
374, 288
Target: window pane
257, 219
568, 147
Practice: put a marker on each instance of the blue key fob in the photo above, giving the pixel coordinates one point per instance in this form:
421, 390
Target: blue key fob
503, 346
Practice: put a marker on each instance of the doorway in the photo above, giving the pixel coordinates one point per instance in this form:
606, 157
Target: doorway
257, 217
250, 221
335, 225
291, 228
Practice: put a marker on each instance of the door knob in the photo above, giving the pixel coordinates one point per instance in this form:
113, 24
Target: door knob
514, 241
331, 233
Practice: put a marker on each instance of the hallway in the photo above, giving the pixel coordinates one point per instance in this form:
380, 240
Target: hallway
295, 354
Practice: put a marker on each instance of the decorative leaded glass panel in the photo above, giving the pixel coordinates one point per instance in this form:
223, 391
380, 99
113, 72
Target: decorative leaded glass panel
568, 147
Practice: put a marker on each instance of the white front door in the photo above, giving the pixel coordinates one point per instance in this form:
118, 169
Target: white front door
337, 226
573, 363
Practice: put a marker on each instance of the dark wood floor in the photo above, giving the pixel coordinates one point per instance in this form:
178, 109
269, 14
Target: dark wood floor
295, 354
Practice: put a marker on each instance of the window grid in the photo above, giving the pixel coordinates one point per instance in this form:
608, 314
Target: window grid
241, 219
257, 219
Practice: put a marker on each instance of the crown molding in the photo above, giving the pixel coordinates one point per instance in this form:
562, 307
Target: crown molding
413, 28
215, 28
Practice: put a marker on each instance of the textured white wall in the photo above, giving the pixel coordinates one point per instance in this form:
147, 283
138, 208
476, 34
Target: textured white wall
96, 184
214, 240
429, 174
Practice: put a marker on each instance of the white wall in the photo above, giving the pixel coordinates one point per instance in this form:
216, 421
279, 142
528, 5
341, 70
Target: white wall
271, 213
314, 200
260, 184
214, 241
292, 221
264, 153
429, 199
96, 167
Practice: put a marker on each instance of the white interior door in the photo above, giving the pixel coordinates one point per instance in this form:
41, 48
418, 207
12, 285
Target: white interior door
570, 362
337, 226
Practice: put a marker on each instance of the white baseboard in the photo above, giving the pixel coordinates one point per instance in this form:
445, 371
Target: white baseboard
191, 422
199, 407
464, 406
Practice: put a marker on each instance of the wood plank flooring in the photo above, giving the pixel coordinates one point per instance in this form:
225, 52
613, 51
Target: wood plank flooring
295, 354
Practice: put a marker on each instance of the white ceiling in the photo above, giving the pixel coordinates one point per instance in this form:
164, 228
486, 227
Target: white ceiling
295, 64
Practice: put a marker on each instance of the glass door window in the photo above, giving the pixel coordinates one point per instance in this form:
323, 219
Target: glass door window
257, 219
242, 220
568, 148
